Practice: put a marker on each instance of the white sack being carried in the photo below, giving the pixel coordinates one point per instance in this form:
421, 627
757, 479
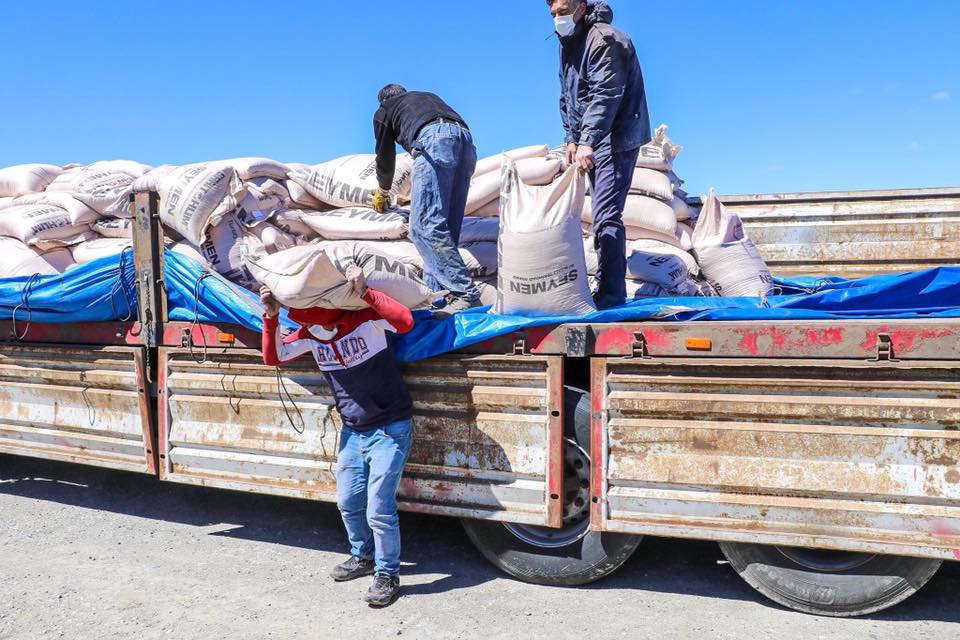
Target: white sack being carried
313, 276
652, 183
78, 212
402, 250
358, 223
17, 259
480, 258
6, 202
479, 230
728, 258
100, 248
21, 179
43, 226
351, 180
491, 164
542, 268
250, 168
104, 190
532, 171
194, 197
113, 227
659, 153
641, 211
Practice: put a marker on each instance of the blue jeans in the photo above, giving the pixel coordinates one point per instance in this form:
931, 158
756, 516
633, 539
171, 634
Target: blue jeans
444, 162
369, 467
610, 183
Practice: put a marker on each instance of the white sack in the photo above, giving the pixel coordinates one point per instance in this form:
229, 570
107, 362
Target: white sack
659, 153
78, 212
542, 268
402, 250
479, 230
150, 181
591, 255
104, 190
26, 178
681, 210
656, 246
358, 223
194, 197
532, 171
641, 233
250, 168
492, 163
488, 293
223, 250
652, 183
351, 180
6, 202
653, 263
685, 234
100, 248
480, 258
43, 226
291, 221
18, 260
272, 238
300, 196
132, 168
312, 276
113, 227
728, 258
489, 210
257, 206
641, 211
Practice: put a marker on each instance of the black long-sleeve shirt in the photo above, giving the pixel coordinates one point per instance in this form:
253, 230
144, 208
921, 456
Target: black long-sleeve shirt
399, 120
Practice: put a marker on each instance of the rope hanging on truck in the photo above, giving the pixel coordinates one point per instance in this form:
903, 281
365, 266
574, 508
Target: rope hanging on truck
196, 321
281, 390
25, 302
119, 284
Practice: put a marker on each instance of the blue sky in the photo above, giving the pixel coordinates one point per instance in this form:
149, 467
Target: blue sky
764, 95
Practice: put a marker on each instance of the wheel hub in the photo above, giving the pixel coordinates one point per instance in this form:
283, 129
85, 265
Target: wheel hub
576, 504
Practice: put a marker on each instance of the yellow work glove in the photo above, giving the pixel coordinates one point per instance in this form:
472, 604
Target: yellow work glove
381, 200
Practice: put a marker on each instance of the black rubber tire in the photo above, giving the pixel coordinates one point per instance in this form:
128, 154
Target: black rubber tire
594, 556
879, 583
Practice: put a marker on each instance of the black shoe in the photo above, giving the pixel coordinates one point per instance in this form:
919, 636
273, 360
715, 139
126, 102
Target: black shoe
383, 591
455, 306
352, 569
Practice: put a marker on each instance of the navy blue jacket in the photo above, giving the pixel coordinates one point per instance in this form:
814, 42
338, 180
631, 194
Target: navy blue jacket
603, 100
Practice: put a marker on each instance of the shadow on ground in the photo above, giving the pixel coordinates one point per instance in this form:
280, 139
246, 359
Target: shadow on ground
440, 548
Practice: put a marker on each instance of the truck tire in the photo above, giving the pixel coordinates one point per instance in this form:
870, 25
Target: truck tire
572, 555
829, 583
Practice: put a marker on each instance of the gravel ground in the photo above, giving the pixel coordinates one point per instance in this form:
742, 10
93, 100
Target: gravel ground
89, 553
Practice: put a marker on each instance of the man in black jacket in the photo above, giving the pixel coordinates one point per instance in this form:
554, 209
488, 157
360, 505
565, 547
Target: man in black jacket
444, 161
604, 111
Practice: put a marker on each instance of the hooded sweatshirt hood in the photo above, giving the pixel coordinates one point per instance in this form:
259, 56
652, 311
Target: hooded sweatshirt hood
598, 12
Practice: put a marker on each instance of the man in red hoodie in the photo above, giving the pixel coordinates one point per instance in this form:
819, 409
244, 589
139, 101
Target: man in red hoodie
355, 353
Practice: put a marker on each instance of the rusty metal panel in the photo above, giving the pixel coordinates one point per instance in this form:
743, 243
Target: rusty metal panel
933, 340
853, 234
829, 455
487, 441
86, 405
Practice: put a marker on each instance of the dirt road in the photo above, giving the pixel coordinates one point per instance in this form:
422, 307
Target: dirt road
87, 553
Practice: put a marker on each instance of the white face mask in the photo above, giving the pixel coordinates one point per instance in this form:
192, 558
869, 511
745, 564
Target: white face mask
320, 333
565, 25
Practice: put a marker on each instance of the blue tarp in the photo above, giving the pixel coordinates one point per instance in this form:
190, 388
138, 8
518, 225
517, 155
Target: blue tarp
98, 291
104, 290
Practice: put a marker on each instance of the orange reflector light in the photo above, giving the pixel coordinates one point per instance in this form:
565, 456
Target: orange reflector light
226, 338
699, 344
